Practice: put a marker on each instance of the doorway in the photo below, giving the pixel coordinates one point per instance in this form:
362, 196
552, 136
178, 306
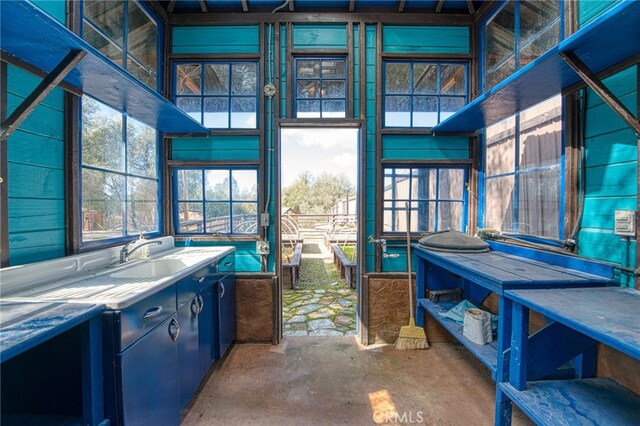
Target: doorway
319, 230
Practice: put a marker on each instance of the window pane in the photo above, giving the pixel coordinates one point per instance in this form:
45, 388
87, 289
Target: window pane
243, 113
494, 77
334, 109
451, 184
500, 37
333, 89
102, 44
423, 184
191, 106
452, 80
142, 205
245, 185
308, 89
188, 79
425, 79
308, 69
425, 111
244, 79
539, 28
245, 218
499, 203
449, 105
108, 16
102, 144
308, 109
397, 111
449, 216
141, 149
333, 69
142, 43
500, 156
218, 218
217, 185
398, 78
102, 202
145, 75
216, 79
539, 202
189, 185
541, 134
190, 218
216, 113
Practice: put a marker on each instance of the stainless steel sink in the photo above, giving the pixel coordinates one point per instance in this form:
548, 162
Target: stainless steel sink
152, 269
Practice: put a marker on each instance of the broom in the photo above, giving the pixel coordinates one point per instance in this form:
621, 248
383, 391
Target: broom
410, 337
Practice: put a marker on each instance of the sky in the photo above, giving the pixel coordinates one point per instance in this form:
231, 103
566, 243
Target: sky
318, 150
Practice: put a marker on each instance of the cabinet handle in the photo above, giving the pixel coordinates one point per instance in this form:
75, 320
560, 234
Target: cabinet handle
153, 312
195, 307
174, 329
228, 263
222, 287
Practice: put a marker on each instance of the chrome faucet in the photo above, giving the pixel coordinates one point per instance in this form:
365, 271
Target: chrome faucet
125, 252
383, 243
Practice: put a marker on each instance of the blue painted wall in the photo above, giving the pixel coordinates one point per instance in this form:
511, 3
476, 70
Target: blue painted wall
424, 147
588, 10
320, 36
218, 39
611, 173
217, 148
425, 39
35, 172
370, 141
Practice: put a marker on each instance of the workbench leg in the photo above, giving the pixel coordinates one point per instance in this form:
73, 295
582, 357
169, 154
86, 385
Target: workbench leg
92, 376
421, 283
585, 364
503, 408
503, 403
519, 346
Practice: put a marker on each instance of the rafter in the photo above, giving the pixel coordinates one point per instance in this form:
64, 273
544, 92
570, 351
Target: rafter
172, 5
352, 5
472, 9
439, 6
245, 6
291, 6
401, 6
203, 6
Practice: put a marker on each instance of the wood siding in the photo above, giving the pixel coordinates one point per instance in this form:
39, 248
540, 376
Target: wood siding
425, 39
216, 40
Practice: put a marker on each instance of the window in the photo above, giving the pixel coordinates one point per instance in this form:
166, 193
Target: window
422, 94
220, 95
119, 173
437, 198
523, 189
517, 34
215, 201
321, 88
124, 32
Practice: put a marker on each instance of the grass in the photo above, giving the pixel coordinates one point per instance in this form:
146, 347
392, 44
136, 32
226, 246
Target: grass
350, 252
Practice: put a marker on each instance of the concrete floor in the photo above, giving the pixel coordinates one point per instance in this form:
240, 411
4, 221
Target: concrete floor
333, 380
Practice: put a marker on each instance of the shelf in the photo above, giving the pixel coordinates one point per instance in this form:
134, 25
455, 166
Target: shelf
573, 402
607, 41
31, 35
487, 354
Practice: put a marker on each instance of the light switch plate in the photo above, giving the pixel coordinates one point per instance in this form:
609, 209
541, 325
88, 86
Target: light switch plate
625, 223
262, 247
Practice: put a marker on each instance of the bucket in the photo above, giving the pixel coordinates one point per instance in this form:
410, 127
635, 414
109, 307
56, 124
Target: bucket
477, 326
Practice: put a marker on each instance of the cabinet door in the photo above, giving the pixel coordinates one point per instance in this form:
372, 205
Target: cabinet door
147, 370
188, 351
226, 313
208, 328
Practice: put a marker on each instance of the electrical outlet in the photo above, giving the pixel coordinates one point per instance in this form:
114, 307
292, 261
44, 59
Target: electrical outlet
262, 247
625, 223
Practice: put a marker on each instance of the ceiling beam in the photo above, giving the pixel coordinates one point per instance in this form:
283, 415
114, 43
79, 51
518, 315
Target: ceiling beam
290, 5
401, 6
172, 4
203, 6
439, 6
352, 5
245, 6
472, 9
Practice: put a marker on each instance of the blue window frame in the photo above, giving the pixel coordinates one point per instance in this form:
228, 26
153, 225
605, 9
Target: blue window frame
219, 95
320, 87
437, 198
215, 200
524, 169
119, 172
422, 94
128, 34
516, 34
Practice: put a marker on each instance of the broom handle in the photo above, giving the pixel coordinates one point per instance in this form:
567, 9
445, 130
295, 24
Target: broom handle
409, 259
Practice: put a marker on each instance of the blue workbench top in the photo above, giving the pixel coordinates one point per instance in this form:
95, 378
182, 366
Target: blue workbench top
609, 314
24, 325
499, 271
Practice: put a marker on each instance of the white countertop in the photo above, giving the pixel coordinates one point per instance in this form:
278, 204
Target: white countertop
100, 286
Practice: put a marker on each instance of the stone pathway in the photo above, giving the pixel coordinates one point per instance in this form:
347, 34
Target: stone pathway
320, 312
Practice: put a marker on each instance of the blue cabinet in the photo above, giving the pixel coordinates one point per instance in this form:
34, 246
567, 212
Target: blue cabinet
207, 325
226, 313
188, 351
148, 380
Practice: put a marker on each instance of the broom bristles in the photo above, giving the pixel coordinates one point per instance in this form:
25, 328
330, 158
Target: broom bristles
411, 337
